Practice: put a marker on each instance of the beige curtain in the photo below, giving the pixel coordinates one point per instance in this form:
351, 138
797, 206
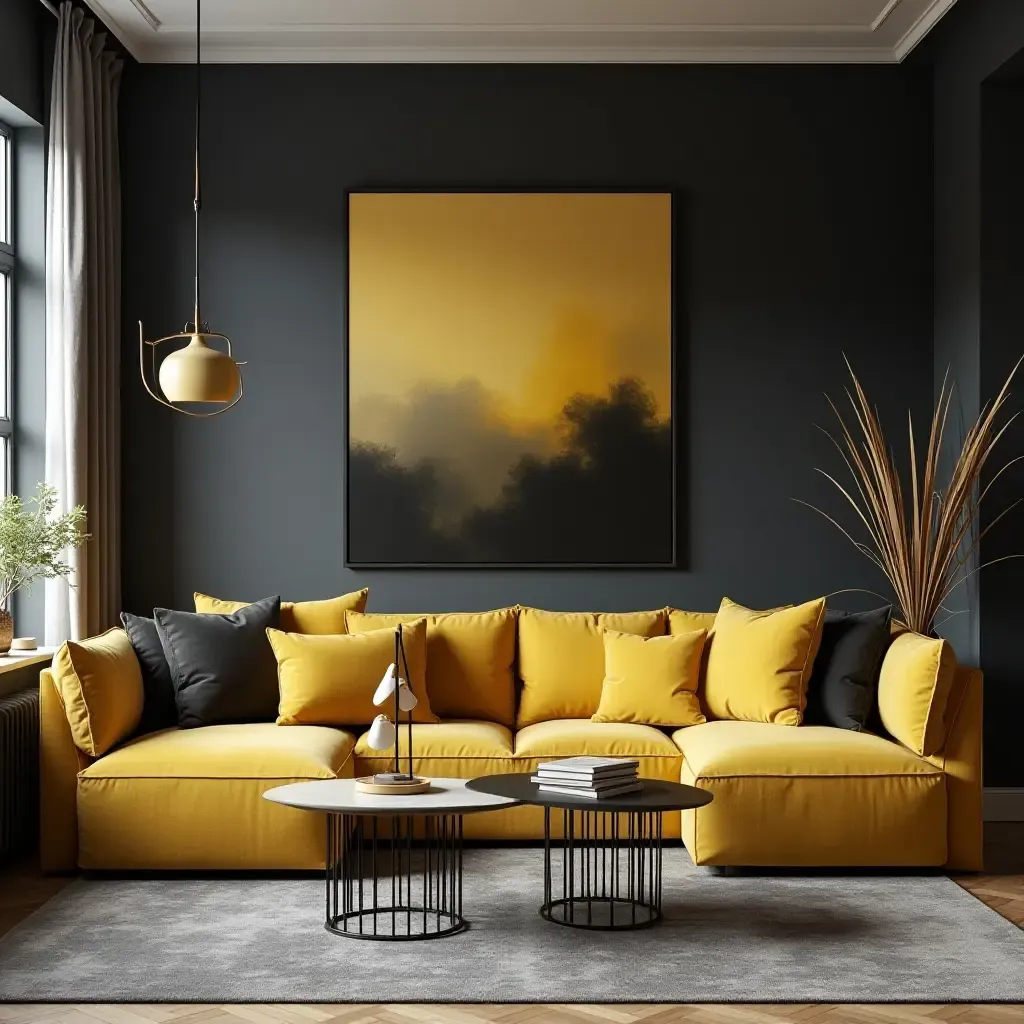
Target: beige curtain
83, 311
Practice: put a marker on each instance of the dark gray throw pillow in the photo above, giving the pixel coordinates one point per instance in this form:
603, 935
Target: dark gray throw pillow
223, 666
158, 708
844, 681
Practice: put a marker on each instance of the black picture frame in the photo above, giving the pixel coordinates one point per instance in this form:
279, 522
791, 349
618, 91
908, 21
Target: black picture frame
675, 215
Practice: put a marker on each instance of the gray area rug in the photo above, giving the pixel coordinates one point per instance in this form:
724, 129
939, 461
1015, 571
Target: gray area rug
743, 939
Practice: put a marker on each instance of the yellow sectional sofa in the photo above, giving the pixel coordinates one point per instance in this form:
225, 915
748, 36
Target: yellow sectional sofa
784, 796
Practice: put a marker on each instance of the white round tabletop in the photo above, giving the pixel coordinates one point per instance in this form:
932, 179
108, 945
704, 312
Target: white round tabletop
340, 796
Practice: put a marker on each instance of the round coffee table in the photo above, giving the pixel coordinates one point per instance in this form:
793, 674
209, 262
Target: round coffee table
610, 855
380, 883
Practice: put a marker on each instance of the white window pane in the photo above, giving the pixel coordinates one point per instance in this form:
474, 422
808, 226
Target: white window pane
5, 465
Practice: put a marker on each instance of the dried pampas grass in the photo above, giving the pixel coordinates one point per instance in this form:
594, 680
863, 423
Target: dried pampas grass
924, 538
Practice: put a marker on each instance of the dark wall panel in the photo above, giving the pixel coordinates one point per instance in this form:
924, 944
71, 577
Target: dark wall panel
806, 234
978, 148
25, 27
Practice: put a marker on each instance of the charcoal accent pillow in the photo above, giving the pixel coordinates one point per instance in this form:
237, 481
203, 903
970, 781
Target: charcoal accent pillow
223, 666
158, 708
844, 683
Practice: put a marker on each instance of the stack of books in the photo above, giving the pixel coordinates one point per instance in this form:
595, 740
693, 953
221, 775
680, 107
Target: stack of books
589, 777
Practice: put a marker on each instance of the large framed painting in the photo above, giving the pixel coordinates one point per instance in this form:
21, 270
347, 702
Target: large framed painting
509, 361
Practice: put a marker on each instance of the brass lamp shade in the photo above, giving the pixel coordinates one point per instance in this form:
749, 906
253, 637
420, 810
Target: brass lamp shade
199, 373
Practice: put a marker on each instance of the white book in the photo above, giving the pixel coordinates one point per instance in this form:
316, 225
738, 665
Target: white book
548, 776
597, 784
592, 794
586, 765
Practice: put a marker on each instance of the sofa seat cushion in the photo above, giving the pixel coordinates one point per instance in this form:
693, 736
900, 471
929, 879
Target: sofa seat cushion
810, 796
258, 750
722, 749
459, 750
192, 799
659, 757
470, 740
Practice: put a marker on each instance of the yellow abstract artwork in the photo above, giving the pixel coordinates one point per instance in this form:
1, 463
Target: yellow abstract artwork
510, 378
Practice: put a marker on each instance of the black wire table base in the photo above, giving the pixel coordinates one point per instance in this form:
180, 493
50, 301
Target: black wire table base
382, 884
609, 865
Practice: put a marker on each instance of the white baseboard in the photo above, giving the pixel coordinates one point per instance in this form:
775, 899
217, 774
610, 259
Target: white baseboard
1004, 803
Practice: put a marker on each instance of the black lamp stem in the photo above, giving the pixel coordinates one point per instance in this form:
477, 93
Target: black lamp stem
398, 709
408, 679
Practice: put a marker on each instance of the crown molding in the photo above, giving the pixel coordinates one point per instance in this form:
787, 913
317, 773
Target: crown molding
928, 20
149, 40
357, 52
129, 42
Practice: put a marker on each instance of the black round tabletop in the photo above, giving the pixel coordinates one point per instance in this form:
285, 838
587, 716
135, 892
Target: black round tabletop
655, 796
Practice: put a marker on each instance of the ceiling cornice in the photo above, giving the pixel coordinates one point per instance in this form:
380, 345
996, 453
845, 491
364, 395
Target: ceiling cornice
149, 40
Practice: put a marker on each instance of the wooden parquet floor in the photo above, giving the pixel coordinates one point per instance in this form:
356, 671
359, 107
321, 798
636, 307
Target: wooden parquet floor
22, 890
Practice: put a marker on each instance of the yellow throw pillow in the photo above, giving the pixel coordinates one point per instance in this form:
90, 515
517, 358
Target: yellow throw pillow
689, 622
330, 680
309, 617
470, 660
759, 662
561, 659
100, 684
651, 680
917, 675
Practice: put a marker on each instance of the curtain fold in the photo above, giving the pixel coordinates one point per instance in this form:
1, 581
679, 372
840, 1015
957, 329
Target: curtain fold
83, 321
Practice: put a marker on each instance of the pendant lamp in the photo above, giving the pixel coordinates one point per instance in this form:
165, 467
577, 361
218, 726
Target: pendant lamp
199, 371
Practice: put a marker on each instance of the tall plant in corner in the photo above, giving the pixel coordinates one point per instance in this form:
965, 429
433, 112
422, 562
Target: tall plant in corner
922, 537
34, 539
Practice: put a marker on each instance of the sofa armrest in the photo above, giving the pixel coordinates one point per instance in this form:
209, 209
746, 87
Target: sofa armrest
960, 759
60, 761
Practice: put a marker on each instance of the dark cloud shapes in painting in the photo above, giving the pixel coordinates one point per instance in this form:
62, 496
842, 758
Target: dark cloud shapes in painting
604, 497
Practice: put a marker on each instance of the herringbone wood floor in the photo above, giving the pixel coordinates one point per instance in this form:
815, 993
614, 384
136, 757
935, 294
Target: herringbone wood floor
22, 890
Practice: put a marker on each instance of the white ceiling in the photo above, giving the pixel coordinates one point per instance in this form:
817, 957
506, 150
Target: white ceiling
665, 31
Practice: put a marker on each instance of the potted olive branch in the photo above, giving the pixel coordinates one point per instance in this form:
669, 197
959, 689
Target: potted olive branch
34, 537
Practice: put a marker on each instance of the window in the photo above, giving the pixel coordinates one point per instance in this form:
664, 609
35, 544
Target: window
7, 266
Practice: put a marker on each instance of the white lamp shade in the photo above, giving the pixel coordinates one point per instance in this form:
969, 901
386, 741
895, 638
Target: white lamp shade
382, 733
406, 698
386, 688
199, 373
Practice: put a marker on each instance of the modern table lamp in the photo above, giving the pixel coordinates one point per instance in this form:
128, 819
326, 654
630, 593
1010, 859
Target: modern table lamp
385, 733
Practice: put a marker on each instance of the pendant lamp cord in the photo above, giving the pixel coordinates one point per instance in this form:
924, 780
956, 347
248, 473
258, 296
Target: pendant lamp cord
196, 200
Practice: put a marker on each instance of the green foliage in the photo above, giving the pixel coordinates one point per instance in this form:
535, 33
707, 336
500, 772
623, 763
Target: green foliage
33, 540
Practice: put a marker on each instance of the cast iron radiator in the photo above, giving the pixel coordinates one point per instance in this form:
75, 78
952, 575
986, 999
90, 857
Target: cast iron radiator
19, 772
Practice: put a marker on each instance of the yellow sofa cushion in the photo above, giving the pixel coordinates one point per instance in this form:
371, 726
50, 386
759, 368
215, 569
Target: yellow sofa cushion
680, 621
470, 660
570, 737
651, 680
813, 796
192, 799
330, 680
464, 740
759, 662
461, 750
721, 749
913, 688
311, 617
258, 750
100, 685
561, 659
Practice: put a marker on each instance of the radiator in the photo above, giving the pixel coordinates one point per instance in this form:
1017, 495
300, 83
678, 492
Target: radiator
19, 773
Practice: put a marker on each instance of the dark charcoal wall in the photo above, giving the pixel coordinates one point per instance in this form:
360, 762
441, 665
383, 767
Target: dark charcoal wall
1002, 344
807, 233
25, 27
978, 272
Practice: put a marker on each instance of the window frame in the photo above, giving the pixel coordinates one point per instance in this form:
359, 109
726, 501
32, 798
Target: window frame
8, 268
